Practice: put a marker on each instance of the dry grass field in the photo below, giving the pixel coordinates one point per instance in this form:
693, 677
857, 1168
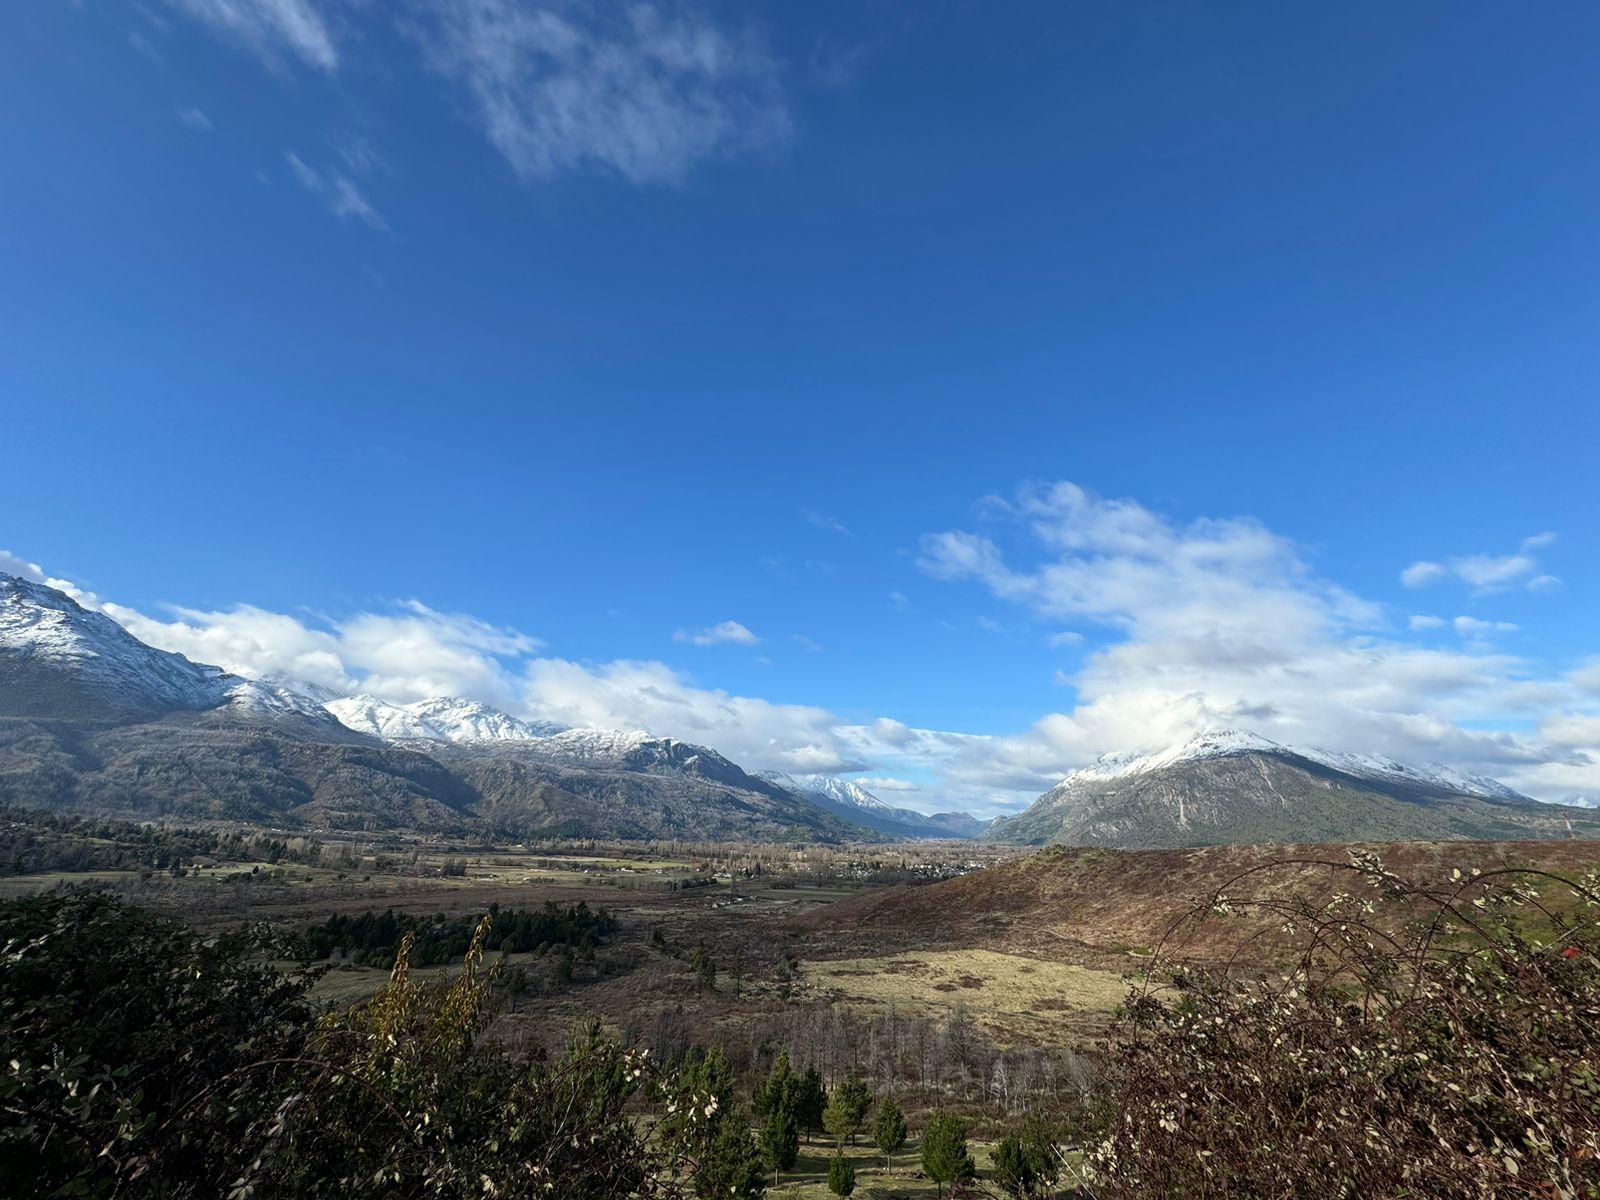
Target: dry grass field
1017, 999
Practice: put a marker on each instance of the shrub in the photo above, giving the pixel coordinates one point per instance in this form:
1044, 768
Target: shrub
139, 1054
149, 1062
1428, 1041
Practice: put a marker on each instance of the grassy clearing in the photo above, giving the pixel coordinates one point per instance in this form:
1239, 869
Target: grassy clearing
808, 1180
1016, 998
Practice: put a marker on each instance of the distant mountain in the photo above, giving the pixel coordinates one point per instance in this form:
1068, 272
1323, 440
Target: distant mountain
441, 719
1227, 786
960, 824
855, 803
634, 785
93, 720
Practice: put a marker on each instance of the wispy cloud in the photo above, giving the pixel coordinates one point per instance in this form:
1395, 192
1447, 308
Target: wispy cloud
885, 783
269, 28
647, 92
823, 521
337, 191
1465, 626
1487, 572
195, 120
715, 635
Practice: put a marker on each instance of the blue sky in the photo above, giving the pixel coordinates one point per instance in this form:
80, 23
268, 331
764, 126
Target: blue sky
587, 327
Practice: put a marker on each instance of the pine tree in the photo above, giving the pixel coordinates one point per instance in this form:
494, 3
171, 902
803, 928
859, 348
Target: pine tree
889, 1129
708, 1077
841, 1175
810, 1101
1013, 1172
705, 969
731, 1165
944, 1150
1038, 1142
857, 1099
774, 1088
837, 1118
780, 1137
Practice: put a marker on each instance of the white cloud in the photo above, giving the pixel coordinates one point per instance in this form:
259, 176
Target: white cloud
1064, 640
1473, 627
407, 652
195, 120
810, 644
714, 635
645, 91
1203, 623
1587, 676
342, 196
823, 521
1223, 622
1487, 572
1420, 574
15, 564
957, 555
885, 783
270, 28
1465, 626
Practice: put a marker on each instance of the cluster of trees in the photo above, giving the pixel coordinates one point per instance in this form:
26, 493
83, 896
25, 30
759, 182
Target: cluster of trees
33, 840
374, 938
788, 1104
929, 1061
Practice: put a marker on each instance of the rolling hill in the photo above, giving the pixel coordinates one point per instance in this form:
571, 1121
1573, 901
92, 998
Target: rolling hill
1110, 907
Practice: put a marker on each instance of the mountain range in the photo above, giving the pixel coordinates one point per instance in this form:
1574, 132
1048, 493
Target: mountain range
441, 719
855, 803
94, 720
1230, 786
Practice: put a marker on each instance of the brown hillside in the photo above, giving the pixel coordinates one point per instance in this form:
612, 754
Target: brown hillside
1103, 906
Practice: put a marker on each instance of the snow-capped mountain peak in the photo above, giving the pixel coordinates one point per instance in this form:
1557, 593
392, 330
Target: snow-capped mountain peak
841, 791
440, 719
40, 625
1222, 743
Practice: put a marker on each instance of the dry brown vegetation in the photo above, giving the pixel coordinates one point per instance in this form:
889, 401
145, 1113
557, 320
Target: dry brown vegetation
1111, 908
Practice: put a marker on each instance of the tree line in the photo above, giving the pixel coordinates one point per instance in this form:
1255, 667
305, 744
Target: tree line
373, 938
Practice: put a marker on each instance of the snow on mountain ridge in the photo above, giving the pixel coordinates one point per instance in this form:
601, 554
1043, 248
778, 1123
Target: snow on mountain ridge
37, 620
845, 792
1220, 743
439, 719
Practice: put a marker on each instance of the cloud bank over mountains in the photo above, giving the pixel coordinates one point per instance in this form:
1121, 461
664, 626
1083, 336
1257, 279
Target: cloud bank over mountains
1185, 626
